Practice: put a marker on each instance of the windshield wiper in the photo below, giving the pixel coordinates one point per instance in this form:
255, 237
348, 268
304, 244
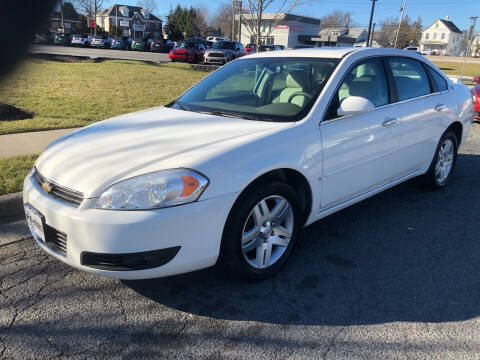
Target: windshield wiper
228, 114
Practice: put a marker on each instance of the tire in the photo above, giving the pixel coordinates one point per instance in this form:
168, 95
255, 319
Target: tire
443, 160
250, 246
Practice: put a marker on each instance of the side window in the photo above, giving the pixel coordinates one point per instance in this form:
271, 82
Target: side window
410, 78
438, 80
366, 80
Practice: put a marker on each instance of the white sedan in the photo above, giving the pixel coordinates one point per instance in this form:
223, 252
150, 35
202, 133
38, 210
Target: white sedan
231, 171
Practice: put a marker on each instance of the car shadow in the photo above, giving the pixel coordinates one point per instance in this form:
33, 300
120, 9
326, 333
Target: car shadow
404, 255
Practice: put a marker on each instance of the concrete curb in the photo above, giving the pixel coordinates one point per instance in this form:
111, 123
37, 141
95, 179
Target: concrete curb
11, 204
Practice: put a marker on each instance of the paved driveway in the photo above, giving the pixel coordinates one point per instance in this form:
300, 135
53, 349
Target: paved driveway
99, 53
396, 276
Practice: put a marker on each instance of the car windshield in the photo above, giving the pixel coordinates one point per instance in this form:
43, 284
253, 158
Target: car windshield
267, 89
187, 45
224, 45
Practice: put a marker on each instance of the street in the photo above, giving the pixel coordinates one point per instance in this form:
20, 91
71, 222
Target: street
395, 276
99, 53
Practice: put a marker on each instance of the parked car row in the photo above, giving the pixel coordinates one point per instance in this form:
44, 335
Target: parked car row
105, 42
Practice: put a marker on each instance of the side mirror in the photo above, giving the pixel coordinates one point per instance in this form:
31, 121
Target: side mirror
354, 105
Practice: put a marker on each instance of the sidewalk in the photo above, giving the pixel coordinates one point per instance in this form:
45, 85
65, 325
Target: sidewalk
29, 142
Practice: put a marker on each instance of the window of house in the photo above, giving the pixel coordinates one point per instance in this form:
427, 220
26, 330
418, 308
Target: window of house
410, 78
443, 36
436, 25
427, 36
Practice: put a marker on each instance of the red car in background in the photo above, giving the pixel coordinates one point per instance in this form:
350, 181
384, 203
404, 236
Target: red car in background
251, 48
188, 50
476, 98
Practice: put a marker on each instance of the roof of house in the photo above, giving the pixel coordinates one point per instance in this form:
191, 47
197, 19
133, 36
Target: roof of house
450, 25
112, 11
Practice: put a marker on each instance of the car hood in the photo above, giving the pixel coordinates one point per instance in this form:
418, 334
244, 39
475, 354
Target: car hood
92, 158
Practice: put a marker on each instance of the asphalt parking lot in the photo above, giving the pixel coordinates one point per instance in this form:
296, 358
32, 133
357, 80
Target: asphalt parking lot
99, 53
396, 276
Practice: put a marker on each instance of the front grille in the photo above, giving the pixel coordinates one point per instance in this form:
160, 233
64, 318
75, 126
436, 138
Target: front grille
55, 240
58, 192
215, 54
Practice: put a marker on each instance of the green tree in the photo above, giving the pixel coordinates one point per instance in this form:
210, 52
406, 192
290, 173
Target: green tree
184, 23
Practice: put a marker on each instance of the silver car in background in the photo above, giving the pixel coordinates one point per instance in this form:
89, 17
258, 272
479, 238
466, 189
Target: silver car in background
224, 51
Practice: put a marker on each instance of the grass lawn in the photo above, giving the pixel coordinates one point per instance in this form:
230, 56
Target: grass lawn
70, 94
12, 172
453, 68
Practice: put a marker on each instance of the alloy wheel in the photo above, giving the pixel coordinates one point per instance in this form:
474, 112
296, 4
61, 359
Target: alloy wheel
444, 161
267, 231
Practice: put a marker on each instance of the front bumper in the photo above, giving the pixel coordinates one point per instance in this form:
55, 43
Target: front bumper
215, 60
180, 57
196, 228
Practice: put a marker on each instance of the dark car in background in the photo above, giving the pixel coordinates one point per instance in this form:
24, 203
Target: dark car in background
141, 45
117, 43
191, 51
224, 51
62, 39
163, 46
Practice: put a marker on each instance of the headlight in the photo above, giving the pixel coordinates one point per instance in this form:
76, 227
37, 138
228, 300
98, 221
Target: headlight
154, 190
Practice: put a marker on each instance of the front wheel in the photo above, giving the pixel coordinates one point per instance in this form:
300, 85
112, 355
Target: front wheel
261, 231
443, 163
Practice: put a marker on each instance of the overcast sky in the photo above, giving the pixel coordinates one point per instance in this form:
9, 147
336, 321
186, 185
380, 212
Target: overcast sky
459, 11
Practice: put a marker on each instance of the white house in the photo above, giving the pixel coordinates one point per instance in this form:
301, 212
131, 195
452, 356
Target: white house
443, 37
281, 29
475, 46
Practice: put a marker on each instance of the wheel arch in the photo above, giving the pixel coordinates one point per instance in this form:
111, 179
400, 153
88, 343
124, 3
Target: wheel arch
457, 128
292, 177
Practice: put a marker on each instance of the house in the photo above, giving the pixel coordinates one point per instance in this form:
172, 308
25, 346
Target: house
443, 37
280, 29
55, 23
338, 36
475, 46
133, 21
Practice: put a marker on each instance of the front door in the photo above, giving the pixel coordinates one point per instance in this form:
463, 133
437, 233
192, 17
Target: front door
359, 151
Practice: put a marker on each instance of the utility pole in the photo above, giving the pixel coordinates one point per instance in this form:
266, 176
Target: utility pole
400, 23
373, 33
239, 2
95, 17
370, 22
233, 20
468, 45
61, 15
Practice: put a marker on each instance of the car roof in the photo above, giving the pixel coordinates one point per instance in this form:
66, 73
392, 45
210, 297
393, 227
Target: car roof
336, 52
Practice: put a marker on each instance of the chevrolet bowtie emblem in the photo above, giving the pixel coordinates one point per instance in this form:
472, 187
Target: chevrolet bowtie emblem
47, 187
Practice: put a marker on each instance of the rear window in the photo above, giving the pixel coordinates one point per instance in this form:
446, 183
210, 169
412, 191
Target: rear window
439, 81
410, 78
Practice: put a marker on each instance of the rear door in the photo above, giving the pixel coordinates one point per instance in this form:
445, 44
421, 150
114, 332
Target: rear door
359, 151
420, 111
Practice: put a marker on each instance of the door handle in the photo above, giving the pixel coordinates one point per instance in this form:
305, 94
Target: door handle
439, 107
389, 121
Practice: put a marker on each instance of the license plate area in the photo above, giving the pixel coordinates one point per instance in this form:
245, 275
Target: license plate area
36, 222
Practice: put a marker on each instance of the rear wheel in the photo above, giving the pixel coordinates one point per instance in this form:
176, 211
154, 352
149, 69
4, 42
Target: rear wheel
261, 231
443, 163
